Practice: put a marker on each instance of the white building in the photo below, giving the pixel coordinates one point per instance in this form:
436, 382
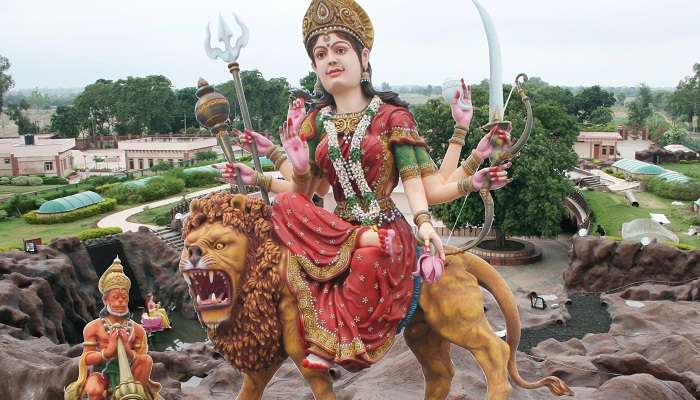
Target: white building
36, 155
147, 152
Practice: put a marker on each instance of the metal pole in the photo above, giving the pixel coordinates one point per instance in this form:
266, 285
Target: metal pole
235, 70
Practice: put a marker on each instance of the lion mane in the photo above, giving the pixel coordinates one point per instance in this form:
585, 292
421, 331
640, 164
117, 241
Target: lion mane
253, 339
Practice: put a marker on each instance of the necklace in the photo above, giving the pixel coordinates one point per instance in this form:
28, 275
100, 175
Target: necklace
350, 170
109, 327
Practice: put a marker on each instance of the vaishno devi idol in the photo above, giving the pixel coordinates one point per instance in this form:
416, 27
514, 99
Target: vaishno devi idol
294, 280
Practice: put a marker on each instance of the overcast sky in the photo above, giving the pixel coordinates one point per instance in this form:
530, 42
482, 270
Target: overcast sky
566, 42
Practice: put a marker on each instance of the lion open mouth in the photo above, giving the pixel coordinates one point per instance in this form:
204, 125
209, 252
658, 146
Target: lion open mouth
211, 287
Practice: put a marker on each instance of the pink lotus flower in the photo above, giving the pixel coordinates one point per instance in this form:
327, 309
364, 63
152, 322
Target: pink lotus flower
429, 267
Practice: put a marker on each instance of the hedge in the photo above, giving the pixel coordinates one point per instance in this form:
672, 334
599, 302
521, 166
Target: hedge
157, 188
27, 181
33, 217
97, 233
689, 191
54, 180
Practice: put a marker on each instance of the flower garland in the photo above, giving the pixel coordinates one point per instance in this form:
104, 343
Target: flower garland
351, 169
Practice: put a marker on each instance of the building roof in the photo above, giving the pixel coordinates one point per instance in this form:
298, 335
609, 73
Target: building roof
42, 147
70, 203
598, 136
673, 176
678, 147
168, 143
638, 167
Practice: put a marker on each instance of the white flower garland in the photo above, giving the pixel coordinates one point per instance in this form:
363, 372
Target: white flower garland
351, 169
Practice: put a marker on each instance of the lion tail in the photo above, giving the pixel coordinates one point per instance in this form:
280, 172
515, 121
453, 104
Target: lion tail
492, 281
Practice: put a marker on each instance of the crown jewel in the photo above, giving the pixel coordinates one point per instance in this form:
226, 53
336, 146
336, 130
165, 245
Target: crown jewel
325, 16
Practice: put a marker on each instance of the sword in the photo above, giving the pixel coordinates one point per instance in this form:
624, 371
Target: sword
496, 119
230, 55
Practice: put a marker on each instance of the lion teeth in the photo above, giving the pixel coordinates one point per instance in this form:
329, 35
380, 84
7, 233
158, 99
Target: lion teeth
213, 297
199, 299
187, 279
211, 277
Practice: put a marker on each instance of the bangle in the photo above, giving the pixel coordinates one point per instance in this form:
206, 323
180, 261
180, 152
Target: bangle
465, 185
421, 217
102, 354
301, 179
458, 135
277, 156
263, 181
472, 163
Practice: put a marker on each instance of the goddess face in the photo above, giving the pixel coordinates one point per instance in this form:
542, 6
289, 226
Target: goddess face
337, 64
117, 302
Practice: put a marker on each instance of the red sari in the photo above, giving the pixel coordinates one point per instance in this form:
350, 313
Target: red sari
351, 300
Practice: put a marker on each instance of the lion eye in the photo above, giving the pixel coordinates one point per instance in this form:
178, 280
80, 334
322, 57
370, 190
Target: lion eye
219, 246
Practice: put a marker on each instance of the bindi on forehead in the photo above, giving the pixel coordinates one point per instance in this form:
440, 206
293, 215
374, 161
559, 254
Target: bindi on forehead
327, 41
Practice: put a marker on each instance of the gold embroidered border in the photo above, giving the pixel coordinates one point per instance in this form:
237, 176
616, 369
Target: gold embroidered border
321, 337
428, 169
341, 262
409, 172
398, 133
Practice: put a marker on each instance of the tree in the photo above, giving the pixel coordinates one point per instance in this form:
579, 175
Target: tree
186, 99
24, 125
267, 100
95, 107
6, 82
66, 122
601, 116
640, 109
533, 204
144, 104
308, 82
38, 100
591, 99
676, 134
685, 101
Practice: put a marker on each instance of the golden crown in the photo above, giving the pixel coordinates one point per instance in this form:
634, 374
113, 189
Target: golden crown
326, 16
114, 278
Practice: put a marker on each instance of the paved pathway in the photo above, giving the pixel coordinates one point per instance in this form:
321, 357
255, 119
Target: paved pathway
119, 219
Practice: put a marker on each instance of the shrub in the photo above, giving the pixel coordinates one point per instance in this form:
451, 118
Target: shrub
19, 204
689, 191
3, 215
155, 189
105, 188
97, 233
200, 178
163, 218
5, 180
62, 192
107, 205
205, 155
162, 166
34, 181
54, 180
20, 181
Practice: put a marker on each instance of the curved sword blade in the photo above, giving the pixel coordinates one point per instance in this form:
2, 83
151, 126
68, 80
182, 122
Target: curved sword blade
496, 108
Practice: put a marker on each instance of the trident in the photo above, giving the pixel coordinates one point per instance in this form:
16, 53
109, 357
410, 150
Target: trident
230, 55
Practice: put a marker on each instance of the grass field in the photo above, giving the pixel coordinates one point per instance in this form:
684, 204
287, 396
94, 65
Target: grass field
149, 216
691, 170
612, 210
9, 190
12, 231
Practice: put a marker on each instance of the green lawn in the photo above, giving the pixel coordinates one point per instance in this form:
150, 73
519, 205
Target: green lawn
14, 230
8, 190
149, 216
611, 210
691, 170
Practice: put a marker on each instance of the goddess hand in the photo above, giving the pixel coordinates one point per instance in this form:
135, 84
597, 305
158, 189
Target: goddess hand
111, 350
295, 115
297, 149
428, 234
462, 117
497, 138
492, 178
229, 172
263, 144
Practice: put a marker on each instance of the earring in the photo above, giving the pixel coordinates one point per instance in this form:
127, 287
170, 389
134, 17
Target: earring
318, 88
366, 78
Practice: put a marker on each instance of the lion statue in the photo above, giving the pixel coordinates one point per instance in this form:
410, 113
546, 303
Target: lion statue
234, 266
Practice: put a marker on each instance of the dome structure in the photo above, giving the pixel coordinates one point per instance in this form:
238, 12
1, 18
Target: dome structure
70, 203
646, 228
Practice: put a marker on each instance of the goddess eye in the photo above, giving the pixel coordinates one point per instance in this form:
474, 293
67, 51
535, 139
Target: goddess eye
320, 54
341, 50
219, 246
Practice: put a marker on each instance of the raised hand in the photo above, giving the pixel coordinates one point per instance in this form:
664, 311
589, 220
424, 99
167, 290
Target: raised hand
497, 139
462, 117
492, 178
296, 147
229, 172
295, 115
263, 144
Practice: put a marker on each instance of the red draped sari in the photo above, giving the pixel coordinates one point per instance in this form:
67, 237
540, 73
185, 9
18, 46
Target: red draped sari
351, 300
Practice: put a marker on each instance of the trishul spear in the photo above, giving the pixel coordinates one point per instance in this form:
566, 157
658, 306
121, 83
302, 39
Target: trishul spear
230, 55
496, 118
